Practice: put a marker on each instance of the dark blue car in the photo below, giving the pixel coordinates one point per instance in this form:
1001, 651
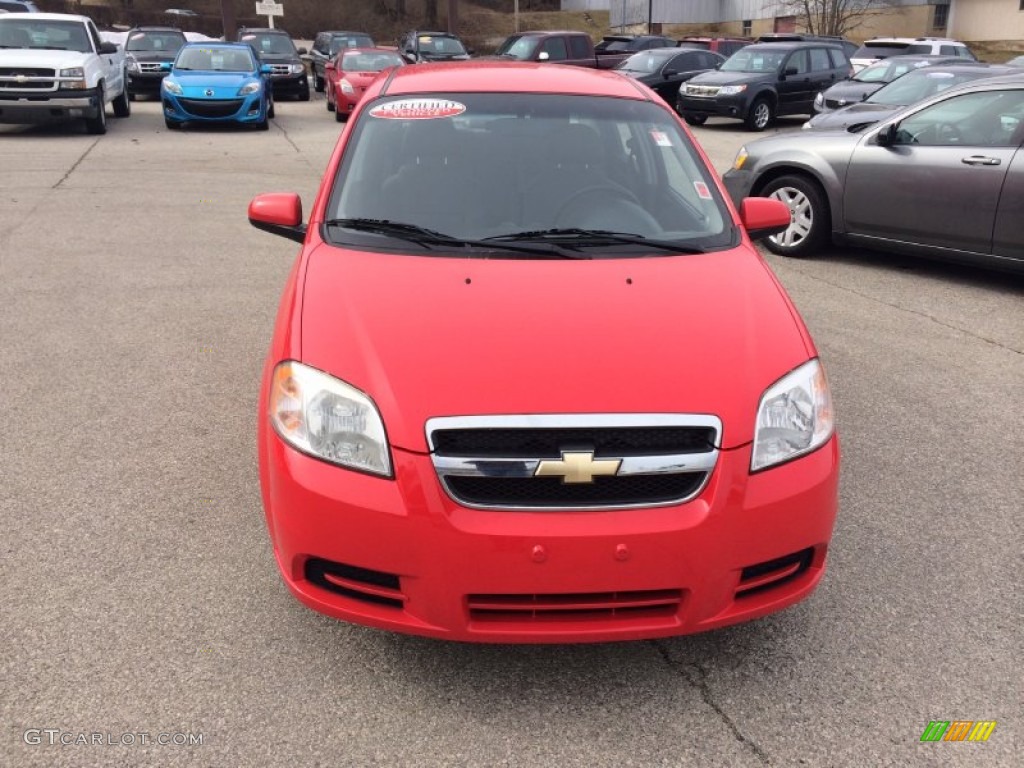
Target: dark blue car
214, 82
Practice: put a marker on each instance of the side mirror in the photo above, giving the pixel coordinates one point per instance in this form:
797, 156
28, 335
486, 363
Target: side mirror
790, 71
107, 48
303, 51
543, 56
266, 69
764, 216
471, 52
279, 213
887, 136
669, 73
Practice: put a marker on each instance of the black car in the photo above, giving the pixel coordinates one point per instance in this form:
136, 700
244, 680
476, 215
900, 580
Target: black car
871, 78
419, 46
149, 53
849, 47
764, 80
326, 46
275, 47
665, 69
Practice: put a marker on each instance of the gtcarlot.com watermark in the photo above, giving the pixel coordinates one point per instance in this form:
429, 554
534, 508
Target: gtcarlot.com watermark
57, 737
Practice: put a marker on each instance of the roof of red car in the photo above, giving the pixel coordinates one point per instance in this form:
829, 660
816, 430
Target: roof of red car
510, 77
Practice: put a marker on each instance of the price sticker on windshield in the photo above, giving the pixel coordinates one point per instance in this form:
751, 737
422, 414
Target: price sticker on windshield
418, 109
661, 138
702, 190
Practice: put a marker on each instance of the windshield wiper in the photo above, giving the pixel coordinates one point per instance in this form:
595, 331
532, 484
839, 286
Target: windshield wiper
593, 237
428, 237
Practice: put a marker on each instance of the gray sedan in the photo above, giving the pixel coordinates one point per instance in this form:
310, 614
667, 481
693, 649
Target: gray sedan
942, 178
909, 89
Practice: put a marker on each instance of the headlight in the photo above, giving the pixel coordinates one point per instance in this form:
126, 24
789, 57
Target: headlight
346, 87
133, 65
731, 90
794, 417
248, 88
172, 87
297, 69
75, 72
327, 418
819, 100
741, 158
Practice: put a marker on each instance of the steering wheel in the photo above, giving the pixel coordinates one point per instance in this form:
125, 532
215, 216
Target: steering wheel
601, 206
948, 133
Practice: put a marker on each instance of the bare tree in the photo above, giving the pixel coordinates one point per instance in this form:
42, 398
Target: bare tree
430, 7
835, 17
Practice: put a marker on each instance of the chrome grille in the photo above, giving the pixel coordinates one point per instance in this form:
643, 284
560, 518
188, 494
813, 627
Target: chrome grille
150, 67
704, 91
27, 79
279, 69
506, 462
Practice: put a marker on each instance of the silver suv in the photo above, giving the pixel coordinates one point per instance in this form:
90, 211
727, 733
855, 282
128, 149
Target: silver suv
884, 47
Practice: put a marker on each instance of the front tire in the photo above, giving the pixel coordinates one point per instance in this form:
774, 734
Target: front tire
122, 104
761, 115
339, 116
695, 119
98, 125
810, 220
270, 109
304, 94
172, 125
318, 83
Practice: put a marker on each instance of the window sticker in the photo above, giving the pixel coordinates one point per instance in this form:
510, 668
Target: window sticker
702, 190
418, 109
661, 138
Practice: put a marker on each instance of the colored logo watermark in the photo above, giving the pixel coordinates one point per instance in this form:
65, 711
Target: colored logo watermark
958, 730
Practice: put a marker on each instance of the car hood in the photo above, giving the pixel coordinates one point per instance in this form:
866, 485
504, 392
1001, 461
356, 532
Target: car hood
21, 57
855, 114
223, 84
730, 78
430, 336
851, 91
149, 56
280, 58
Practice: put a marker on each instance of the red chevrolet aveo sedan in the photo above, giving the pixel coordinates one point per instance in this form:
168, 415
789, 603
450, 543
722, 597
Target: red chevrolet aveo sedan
530, 380
351, 72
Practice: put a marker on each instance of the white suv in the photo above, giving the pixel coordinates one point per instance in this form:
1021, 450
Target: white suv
884, 47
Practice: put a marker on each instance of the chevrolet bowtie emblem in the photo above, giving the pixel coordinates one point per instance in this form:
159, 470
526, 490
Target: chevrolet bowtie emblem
578, 467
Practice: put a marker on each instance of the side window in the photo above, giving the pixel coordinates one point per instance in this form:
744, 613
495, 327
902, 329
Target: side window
94, 35
838, 59
948, 50
554, 47
965, 53
580, 47
985, 119
820, 61
798, 61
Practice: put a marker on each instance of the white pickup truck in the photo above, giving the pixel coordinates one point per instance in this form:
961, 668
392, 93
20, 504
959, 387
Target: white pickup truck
55, 67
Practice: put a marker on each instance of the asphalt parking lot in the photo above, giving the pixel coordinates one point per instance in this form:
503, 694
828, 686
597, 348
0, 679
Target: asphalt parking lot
140, 594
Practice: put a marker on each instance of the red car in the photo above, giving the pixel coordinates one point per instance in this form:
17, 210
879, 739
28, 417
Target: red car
349, 74
530, 380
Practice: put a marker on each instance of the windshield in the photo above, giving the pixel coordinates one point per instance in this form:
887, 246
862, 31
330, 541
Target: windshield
475, 166
370, 62
155, 42
53, 35
883, 50
921, 84
647, 62
613, 45
448, 46
275, 45
215, 59
518, 47
754, 59
349, 41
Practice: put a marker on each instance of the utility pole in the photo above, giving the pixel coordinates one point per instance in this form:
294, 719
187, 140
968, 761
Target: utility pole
227, 15
650, 17
453, 16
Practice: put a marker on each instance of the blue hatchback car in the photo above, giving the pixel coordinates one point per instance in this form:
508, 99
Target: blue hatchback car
217, 83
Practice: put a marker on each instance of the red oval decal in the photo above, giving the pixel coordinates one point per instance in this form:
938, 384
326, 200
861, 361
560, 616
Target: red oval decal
418, 109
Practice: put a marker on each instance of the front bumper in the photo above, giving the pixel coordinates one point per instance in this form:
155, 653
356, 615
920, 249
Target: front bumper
401, 555
717, 106
49, 107
246, 109
738, 184
290, 85
145, 82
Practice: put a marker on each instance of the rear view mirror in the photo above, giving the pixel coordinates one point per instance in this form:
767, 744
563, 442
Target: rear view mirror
764, 216
887, 136
279, 213
790, 71
669, 73
543, 56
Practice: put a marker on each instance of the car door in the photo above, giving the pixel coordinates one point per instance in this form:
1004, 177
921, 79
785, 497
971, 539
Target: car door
319, 53
823, 75
113, 70
939, 182
1008, 236
794, 83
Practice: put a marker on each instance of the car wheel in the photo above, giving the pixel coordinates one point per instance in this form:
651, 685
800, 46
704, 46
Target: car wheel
810, 219
330, 104
304, 94
339, 116
131, 96
760, 116
172, 125
270, 109
98, 125
318, 83
122, 105
695, 119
